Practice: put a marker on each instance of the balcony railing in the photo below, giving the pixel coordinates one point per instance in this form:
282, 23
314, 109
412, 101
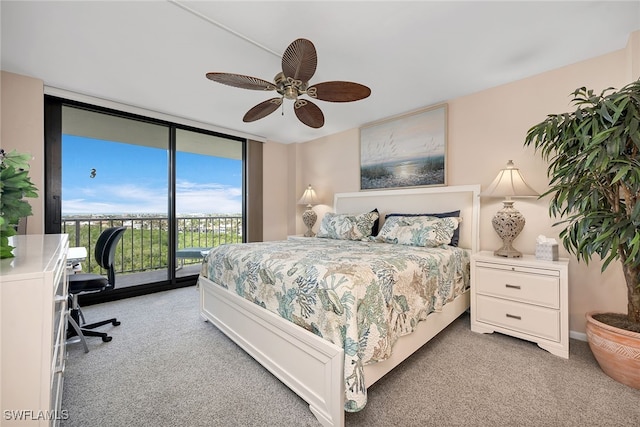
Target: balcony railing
144, 246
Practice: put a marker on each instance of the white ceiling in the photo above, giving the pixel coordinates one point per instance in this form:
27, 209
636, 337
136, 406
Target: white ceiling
154, 54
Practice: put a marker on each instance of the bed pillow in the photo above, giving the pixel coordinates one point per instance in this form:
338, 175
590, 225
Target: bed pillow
376, 223
456, 234
348, 226
427, 231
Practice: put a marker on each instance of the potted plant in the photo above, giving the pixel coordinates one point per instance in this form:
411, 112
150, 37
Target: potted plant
594, 171
15, 185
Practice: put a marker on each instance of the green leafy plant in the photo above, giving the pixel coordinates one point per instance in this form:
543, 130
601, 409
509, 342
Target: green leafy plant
15, 185
594, 171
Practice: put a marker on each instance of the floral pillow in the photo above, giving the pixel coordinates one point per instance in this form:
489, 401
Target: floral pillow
347, 226
456, 234
427, 231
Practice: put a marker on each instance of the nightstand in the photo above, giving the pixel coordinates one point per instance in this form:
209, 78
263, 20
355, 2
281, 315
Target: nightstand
523, 297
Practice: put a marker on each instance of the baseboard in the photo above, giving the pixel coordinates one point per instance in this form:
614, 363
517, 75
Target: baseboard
581, 336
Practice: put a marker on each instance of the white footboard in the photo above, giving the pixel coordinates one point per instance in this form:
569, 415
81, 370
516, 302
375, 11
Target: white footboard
310, 366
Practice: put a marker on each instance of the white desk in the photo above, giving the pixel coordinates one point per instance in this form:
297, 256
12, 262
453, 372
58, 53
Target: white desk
76, 255
74, 258
33, 329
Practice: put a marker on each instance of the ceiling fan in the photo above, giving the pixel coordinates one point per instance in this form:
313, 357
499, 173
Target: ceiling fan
298, 66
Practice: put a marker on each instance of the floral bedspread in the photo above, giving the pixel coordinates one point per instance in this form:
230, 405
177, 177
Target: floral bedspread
358, 295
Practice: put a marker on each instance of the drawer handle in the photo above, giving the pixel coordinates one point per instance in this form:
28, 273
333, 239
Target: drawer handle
513, 316
512, 286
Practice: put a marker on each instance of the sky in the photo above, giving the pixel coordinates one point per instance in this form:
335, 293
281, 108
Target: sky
133, 179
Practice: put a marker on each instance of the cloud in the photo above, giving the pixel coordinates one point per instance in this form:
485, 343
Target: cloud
207, 198
139, 199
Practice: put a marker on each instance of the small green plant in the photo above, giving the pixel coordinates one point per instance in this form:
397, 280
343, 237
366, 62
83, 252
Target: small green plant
15, 185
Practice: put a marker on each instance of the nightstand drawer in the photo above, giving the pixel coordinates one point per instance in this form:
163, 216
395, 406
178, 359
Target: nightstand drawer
524, 287
528, 319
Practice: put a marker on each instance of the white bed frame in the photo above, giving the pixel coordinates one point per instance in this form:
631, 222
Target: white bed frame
306, 363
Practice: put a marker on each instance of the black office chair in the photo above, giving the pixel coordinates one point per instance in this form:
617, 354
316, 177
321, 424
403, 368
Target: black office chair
86, 282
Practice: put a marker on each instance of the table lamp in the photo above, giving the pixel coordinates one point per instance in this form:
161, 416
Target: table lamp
309, 217
508, 222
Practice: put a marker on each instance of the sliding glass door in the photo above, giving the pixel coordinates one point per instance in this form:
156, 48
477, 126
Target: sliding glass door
178, 190
209, 196
114, 173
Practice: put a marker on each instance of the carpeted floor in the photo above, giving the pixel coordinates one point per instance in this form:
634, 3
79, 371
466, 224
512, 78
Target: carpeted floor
167, 367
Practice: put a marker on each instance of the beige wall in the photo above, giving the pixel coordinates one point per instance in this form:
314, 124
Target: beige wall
633, 56
489, 127
485, 130
22, 128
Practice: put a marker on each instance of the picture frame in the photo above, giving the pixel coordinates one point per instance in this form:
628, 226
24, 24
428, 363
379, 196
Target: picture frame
409, 150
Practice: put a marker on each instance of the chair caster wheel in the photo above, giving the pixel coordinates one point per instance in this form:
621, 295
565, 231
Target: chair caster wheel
115, 323
106, 339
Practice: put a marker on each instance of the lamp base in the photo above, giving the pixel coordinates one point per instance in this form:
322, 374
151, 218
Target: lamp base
508, 252
309, 218
508, 223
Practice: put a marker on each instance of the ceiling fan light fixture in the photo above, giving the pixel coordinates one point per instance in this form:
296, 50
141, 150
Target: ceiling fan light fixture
290, 92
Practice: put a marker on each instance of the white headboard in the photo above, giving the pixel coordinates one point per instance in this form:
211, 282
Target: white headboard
465, 198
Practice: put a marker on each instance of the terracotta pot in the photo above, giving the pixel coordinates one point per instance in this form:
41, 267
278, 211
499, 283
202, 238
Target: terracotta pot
616, 350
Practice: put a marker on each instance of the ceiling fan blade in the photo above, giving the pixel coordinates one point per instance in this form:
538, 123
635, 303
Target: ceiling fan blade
338, 91
262, 110
241, 81
309, 113
300, 60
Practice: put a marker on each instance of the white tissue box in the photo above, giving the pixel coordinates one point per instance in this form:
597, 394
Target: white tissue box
547, 251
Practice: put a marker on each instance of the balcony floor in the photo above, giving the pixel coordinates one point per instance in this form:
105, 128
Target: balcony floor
125, 280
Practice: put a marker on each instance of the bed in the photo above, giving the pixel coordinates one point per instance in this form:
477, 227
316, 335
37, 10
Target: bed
320, 366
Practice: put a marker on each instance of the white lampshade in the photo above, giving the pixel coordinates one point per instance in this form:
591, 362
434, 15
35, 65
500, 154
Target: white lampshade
309, 197
509, 183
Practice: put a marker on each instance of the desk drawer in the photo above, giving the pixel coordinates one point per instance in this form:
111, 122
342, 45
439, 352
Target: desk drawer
529, 319
530, 288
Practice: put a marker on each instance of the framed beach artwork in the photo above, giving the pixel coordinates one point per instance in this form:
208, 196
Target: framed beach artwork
405, 151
